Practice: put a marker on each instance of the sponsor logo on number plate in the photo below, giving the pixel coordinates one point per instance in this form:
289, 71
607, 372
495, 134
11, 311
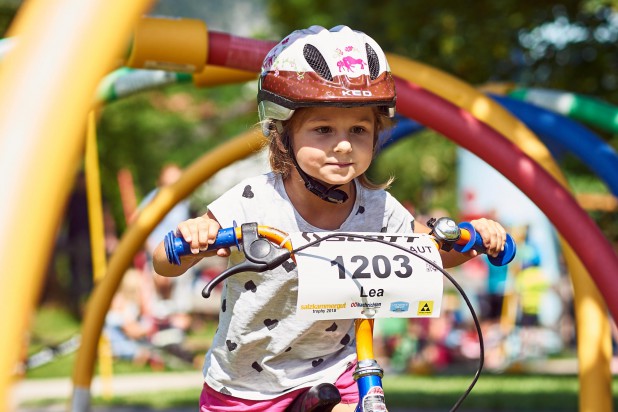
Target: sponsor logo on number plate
400, 306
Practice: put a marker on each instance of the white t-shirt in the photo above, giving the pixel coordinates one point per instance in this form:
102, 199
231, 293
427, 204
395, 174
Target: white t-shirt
261, 349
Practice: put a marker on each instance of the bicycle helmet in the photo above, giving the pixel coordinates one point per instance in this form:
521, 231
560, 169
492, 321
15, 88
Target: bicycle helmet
318, 67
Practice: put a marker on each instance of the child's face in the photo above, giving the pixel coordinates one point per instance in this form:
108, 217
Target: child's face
335, 145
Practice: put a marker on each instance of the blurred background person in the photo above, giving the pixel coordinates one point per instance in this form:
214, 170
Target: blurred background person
170, 300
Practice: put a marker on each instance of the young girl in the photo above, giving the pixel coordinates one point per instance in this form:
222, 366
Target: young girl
324, 97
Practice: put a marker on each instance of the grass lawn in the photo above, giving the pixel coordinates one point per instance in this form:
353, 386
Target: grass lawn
492, 393
53, 325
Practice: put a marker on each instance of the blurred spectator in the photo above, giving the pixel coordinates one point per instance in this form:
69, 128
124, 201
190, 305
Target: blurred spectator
170, 300
393, 345
169, 174
531, 285
208, 309
126, 328
78, 246
492, 300
73, 239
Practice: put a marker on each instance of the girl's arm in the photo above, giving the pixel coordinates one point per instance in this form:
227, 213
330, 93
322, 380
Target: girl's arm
199, 233
492, 232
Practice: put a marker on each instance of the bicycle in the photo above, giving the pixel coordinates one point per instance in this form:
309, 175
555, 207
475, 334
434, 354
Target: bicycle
265, 248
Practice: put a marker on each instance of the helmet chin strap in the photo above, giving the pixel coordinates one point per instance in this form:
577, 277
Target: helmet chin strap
331, 195
328, 194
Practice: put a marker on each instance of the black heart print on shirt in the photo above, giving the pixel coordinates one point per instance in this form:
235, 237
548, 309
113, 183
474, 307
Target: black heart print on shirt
250, 286
288, 265
271, 323
332, 327
361, 210
248, 193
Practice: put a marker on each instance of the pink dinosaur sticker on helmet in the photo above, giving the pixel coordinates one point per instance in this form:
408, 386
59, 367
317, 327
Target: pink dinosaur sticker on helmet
349, 62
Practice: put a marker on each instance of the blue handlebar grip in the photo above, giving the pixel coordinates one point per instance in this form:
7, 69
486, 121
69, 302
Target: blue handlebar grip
476, 242
176, 246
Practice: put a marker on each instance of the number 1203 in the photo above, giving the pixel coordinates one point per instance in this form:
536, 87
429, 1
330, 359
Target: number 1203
380, 266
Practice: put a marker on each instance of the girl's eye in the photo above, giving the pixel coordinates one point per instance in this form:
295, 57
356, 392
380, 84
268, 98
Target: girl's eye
323, 129
358, 130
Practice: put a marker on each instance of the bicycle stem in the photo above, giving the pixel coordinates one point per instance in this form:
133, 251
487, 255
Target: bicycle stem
368, 374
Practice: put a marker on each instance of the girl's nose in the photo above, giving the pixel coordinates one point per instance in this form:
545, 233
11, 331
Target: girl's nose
343, 145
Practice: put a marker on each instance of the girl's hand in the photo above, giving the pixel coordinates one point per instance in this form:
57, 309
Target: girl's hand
200, 233
493, 234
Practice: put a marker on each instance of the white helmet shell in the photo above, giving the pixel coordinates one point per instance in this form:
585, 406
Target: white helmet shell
318, 67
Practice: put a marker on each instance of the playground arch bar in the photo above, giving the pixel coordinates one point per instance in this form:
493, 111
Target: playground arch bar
528, 162
41, 139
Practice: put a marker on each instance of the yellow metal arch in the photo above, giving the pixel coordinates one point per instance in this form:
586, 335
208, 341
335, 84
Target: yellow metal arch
43, 107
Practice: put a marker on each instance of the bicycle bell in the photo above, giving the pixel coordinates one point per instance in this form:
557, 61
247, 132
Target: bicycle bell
445, 230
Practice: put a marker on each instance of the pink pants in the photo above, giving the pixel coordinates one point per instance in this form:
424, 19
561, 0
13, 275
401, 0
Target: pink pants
213, 401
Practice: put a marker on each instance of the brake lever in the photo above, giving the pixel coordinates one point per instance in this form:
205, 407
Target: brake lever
260, 254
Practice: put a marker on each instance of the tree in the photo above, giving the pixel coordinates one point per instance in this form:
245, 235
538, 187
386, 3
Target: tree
178, 124
567, 44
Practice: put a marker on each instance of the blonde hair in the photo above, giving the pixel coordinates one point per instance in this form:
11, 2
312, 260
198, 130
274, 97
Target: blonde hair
130, 286
281, 161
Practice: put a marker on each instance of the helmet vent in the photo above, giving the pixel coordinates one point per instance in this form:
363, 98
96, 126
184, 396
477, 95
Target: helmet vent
317, 62
373, 62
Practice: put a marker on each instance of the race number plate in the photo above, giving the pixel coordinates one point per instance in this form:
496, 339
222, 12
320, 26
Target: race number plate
346, 277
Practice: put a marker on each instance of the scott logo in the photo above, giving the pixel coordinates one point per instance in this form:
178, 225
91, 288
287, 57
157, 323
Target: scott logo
356, 93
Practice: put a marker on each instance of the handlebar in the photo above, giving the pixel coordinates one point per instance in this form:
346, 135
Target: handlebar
470, 239
176, 246
266, 247
463, 238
